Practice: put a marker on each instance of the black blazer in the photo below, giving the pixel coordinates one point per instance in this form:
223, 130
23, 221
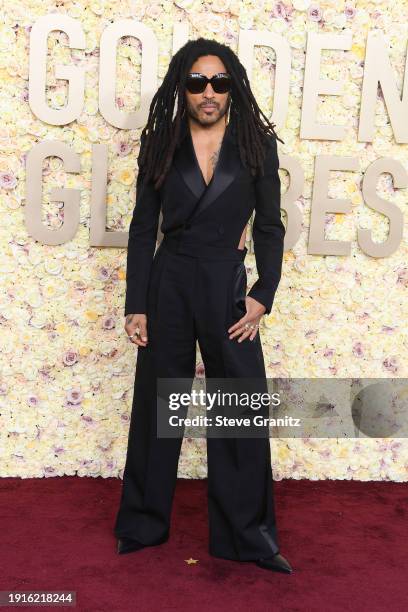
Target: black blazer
219, 213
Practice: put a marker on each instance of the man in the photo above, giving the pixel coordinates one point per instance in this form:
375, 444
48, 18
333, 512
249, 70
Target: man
207, 176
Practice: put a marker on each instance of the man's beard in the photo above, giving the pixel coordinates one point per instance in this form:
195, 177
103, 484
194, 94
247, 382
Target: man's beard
220, 113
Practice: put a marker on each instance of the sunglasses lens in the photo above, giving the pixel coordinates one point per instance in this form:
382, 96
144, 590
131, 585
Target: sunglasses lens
196, 84
221, 84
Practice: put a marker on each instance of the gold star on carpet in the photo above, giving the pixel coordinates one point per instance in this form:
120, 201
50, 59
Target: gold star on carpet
191, 561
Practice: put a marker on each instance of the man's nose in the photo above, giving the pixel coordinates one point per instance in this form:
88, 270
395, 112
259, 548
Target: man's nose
208, 91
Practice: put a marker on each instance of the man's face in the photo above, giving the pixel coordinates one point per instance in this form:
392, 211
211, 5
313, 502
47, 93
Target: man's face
207, 107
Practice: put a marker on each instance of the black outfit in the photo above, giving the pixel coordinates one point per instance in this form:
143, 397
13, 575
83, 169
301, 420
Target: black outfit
194, 289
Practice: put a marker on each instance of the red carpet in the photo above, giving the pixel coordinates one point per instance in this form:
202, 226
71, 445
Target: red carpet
346, 540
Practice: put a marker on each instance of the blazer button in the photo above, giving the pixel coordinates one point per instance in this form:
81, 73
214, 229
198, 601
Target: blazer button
221, 229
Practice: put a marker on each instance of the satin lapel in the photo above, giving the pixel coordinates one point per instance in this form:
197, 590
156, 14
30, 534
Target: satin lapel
226, 170
186, 163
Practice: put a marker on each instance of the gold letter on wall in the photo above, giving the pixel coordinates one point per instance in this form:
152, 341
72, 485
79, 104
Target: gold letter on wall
378, 70
70, 197
38, 70
313, 86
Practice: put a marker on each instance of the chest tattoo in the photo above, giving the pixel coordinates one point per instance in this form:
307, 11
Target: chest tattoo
214, 157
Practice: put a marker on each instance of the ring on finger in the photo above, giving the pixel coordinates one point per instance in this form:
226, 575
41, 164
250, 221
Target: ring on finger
137, 333
248, 326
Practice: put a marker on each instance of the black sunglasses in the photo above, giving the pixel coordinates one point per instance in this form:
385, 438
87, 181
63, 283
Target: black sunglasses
197, 82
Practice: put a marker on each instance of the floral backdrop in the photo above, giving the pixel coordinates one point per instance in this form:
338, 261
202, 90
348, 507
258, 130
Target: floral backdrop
67, 368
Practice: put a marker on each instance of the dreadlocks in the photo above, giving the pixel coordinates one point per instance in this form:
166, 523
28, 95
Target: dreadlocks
160, 136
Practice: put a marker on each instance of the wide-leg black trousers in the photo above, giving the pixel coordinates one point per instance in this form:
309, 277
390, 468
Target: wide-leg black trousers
195, 294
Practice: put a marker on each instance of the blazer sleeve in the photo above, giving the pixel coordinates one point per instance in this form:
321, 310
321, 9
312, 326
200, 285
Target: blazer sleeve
141, 245
268, 231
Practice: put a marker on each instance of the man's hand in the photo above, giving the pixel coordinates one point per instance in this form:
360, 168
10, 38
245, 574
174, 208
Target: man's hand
137, 323
254, 312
